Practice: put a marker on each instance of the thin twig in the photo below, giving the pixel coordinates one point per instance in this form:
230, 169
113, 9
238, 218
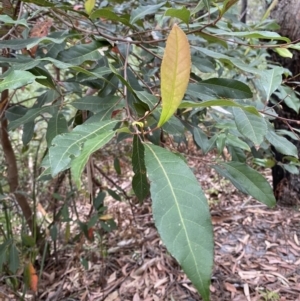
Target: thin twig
14, 26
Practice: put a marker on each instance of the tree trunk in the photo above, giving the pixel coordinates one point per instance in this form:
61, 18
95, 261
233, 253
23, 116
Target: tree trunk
286, 185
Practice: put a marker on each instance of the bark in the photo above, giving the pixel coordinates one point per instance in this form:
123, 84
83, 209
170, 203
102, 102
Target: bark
244, 11
287, 186
12, 169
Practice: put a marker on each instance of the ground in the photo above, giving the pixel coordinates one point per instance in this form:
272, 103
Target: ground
257, 252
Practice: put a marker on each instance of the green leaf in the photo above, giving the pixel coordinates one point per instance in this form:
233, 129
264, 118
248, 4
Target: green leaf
218, 102
28, 240
97, 104
43, 77
281, 144
16, 79
271, 80
288, 95
90, 146
228, 60
181, 215
66, 147
204, 65
237, 142
175, 73
8, 20
30, 115
183, 14
57, 125
89, 6
108, 14
248, 181
40, 3
226, 88
117, 166
14, 261
251, 126
20, 62
142, 11
18, 44
114, 195
266, 35
78, 54
284, 52
219, 88
28, 131
201, 139
140, 183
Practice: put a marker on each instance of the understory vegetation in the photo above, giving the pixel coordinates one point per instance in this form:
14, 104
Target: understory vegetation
137, 82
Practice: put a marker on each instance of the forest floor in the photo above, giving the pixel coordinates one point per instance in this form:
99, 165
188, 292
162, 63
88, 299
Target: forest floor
257, 252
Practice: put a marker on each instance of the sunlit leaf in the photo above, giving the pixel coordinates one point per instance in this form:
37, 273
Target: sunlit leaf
66, 147
89, 6
90, 146
284, 52
16, 79
183, 14
175, 72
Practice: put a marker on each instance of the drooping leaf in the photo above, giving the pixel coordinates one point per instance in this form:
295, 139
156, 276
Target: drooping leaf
201, 139
251, 126
89, 147
288, 95
181, 215
28, 131
43, 77
30, 277
30, 115
140, 183
56, 126
66, 147
14, 261
248, 181
281, 144
271, 80
175, 73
